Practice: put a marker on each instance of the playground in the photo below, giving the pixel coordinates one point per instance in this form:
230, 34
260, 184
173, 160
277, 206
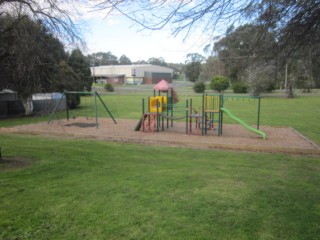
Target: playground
235, 137
166, 121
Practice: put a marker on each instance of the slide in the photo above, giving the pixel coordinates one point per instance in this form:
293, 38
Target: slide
137, 128
231, 115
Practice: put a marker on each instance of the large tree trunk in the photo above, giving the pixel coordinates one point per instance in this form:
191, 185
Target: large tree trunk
290, 90
28, 105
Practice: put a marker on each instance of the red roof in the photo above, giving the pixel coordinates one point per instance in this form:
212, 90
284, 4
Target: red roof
163, 85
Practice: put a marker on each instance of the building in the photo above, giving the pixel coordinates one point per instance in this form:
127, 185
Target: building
131, 74
10, 104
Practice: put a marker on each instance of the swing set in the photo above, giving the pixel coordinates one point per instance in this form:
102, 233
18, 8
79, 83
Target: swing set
80, 104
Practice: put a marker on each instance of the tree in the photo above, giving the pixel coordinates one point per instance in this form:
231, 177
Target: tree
199, 87
212, 67
54, 15
30, 58
103, 58
242, 47
157, 61
80, 65
261, 77
195, 57
219, 83
294, 22
124, 60
192, 71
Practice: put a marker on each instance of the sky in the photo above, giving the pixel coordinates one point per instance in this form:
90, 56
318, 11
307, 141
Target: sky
120, 36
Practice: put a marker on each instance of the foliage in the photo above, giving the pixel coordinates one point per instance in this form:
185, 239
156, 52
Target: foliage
242, 47
271, 30
212, 67
108, 87
73, 100
103, 58
192, 71
66, 79
55, 15
78, 62
158, 61
261, 77
199, 87
294, 23
195, 57
124, 60
219, 83
239, 87
29, 57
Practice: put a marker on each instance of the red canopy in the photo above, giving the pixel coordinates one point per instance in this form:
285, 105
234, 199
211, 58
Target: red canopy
163, 85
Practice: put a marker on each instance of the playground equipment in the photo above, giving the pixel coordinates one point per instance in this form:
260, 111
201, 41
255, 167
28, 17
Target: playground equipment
231, 115
208, 117
80, 104
213, 110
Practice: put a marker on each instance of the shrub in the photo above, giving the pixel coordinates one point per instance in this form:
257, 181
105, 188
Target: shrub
199, 87
219, 83
108, 87
73, 100
240, 87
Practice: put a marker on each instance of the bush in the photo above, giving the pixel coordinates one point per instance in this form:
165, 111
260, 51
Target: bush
73, 100
108, 87
240, 87
219, 83
199, 87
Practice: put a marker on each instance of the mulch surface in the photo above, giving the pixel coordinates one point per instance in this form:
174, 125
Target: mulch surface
235, 137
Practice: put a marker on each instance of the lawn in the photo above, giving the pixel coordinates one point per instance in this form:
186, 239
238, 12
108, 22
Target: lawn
85, 189
79, 189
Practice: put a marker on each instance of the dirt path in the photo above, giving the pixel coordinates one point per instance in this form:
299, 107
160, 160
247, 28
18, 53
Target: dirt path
235, 137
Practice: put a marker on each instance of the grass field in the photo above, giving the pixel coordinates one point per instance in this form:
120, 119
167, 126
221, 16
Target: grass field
81, 189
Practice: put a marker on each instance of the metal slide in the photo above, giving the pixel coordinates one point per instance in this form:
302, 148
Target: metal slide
245, 125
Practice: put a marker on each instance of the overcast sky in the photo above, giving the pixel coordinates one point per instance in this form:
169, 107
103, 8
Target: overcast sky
119, 36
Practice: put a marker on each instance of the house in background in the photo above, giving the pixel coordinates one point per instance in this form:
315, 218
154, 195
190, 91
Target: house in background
131, 74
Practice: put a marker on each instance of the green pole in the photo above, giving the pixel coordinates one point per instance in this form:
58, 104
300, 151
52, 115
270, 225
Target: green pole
168, 108
149, 110
162, 117
203, 115
56, 107
67, 107
171, 112
259, 107
96, 109
157, 117
142, 118
220, 116
190, 116
187, 106
105, 107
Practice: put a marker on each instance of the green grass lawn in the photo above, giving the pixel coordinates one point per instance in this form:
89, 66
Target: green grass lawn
80, 189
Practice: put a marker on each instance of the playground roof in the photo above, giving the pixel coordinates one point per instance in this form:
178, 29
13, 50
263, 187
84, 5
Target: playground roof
163, 85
